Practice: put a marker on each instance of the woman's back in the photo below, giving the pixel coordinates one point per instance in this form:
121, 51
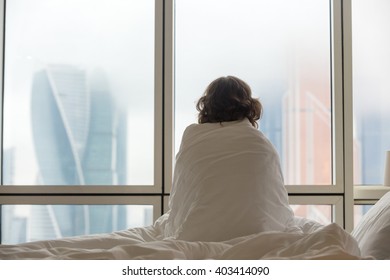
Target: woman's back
227, 183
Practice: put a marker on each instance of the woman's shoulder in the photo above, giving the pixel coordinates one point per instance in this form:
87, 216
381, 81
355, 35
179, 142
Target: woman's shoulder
190, 128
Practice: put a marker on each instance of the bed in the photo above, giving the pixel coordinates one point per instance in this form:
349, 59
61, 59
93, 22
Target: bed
304, 239
307, 240
228, 202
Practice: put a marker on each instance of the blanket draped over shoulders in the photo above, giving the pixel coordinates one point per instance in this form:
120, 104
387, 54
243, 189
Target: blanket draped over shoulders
227, 183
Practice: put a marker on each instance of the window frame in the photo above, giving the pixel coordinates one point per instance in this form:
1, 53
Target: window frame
92, 200
86, 200
89, 194
156, 188
336, 203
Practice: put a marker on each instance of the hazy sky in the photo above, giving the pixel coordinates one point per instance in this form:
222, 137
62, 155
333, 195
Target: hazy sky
262, 42
115, 36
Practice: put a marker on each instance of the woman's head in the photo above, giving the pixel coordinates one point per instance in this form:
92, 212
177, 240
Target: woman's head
228, 99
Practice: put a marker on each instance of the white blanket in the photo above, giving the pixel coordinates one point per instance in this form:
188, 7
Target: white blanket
327, 242
228, 202
227, 183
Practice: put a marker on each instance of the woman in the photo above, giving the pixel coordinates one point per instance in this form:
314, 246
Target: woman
227, 180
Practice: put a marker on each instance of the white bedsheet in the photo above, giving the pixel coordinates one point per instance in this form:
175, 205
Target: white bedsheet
325, 242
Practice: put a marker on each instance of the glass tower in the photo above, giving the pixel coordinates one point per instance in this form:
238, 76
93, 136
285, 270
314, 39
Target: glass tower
75, 130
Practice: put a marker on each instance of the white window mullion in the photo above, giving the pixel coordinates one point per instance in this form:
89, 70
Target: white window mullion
155, 201
2, 11
348, 115
158, 92
337, 94
342, 104
169, 98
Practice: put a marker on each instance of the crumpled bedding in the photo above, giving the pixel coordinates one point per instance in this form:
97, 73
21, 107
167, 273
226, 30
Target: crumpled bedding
319, 242
228, 201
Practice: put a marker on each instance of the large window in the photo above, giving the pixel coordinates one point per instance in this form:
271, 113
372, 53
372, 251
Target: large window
79, 93
282, 50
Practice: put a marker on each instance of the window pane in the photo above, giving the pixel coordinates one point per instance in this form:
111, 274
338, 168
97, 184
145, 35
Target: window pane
79, 92
318, 213
24, 223
371, 88
282, 50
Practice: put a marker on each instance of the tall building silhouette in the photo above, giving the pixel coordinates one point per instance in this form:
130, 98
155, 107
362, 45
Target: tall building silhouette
75, 129
60, 115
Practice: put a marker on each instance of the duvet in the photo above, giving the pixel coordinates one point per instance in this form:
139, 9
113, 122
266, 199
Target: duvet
306, 240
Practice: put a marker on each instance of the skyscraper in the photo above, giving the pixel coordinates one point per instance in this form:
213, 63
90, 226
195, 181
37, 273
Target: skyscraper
60, 115
75, 129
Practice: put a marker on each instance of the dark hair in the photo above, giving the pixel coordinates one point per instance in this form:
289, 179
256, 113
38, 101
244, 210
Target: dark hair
228, 99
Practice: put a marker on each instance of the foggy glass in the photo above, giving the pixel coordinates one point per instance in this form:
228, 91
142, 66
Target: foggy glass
359, 212
25, 223
282, 50
319, 213
371, 89
79, 92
